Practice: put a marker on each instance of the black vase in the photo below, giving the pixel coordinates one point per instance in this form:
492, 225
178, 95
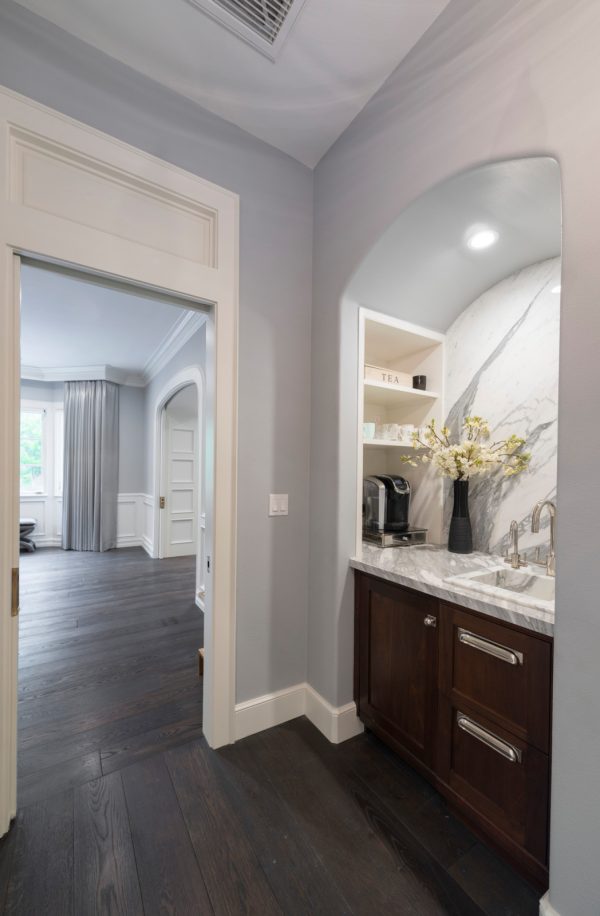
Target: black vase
460, 539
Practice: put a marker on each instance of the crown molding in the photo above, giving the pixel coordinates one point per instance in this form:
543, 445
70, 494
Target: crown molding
82, 374
183, 329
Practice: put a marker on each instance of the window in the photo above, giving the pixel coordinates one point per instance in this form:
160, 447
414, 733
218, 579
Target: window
32, 450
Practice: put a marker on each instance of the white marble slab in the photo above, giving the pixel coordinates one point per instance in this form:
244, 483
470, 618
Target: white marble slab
502, 364
428, 568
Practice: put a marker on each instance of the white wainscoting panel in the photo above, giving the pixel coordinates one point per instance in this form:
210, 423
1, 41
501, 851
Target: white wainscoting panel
336, 723
135, 522
36, 507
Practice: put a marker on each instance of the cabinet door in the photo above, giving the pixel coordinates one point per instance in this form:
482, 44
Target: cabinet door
397, 665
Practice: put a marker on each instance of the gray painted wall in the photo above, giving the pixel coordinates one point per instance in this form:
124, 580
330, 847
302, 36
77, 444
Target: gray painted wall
43, 62
42, 391
488, 81
132, 454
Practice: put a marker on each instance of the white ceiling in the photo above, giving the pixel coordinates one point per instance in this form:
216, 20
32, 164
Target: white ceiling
421, 270
69, 320
336, 56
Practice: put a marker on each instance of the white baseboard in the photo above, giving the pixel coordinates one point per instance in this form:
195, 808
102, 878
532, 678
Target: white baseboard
199, 601
546, 908
147, 545
134, 521
271, 709
46, 540
336, 723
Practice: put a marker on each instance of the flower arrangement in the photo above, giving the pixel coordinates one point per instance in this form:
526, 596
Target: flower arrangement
471, 455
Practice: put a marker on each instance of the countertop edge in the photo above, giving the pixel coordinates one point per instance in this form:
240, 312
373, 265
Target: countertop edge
521, 616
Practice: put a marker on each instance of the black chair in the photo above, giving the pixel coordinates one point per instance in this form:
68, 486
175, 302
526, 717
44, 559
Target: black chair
26, 542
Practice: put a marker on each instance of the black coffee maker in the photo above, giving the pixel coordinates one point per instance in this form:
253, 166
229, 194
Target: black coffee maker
386, 501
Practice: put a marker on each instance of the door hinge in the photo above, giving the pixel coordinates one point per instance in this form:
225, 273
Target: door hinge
161, 502
14, 604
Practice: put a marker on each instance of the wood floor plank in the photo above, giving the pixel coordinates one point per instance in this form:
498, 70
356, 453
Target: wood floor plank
57, 778
354, 833
151, 742
42, 865
111, 734
299, 879
105, 875
113, 677
234, 879
170, 877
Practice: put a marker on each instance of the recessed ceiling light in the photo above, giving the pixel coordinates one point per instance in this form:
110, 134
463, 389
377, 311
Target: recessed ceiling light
481, 239
555, 289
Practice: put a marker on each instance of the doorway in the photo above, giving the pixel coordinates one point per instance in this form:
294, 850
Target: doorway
76, 197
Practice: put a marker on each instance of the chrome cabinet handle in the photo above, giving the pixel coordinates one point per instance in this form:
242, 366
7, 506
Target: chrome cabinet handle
488, 738
510, 656
430, 621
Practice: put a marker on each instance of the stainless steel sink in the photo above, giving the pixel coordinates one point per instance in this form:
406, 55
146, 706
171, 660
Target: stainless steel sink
524, 586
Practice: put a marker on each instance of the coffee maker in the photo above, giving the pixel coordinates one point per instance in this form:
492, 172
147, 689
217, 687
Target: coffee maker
386, 501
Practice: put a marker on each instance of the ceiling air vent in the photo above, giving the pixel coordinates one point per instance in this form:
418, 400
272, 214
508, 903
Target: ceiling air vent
263, 23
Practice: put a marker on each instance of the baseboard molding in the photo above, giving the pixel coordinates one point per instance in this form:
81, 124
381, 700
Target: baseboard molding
546, 908
336, 723
44, 540
146, 543
271, 709
199, 602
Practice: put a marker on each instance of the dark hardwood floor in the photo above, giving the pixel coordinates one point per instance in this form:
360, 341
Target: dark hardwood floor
108, 647
124, 810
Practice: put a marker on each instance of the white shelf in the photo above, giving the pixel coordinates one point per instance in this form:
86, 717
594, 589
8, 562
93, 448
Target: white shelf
380, 393
386, 443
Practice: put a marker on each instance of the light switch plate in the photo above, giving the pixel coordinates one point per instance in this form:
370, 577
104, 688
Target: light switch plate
278, 504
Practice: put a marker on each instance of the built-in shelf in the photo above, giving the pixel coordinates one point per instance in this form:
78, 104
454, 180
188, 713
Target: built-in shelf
385, 443
400, 348
380, 393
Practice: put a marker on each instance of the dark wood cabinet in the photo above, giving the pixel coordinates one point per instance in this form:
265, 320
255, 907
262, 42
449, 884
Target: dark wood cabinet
397, 667
467, 700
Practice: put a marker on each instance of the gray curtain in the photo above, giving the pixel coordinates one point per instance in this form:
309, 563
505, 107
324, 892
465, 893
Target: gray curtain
91, 466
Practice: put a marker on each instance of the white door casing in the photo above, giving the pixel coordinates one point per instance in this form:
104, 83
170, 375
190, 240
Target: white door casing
180, 471
72, 195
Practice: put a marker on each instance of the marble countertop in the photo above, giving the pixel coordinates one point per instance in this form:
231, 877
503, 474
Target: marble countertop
427, 568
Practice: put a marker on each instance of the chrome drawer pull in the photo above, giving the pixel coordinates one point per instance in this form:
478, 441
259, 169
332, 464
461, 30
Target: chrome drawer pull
482, 734
491, 648
430, 621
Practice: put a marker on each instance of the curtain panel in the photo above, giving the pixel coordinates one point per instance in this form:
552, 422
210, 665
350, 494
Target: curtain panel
91, 466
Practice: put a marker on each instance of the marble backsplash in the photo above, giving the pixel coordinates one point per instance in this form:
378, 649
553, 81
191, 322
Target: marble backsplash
502, 364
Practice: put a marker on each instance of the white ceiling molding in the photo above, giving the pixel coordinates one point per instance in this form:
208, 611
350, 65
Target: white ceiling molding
82, 374
264, 24
184, 328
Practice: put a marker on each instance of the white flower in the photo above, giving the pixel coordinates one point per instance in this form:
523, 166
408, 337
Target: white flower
470, 456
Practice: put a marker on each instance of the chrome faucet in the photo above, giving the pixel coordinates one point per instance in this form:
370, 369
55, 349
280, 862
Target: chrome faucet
535, 527
514, 557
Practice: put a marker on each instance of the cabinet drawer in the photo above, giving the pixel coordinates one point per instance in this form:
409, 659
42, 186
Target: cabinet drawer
503, 672
499, 776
